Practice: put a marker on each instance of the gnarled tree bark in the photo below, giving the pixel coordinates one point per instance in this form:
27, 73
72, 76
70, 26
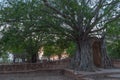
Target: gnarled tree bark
83, 59
86, 63
105, 61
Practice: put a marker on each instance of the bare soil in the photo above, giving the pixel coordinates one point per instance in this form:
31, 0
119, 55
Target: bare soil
41, 75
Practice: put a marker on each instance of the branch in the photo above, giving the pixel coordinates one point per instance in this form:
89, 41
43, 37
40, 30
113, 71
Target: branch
113, 19
87, 2
54, 9
63, 15
96, 11
55, 33
113, 2
97, 19
109, 21
98, 30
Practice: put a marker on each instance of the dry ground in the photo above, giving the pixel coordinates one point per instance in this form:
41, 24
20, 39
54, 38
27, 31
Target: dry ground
34, 76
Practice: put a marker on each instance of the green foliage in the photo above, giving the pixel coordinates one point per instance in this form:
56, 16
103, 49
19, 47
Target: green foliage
51, 49
56, 47
113, 36
114, 49
4, 58
12, 39
23, 33
71, 49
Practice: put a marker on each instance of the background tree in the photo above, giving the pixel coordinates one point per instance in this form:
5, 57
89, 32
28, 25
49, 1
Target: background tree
18, 40
56, 46
22, 22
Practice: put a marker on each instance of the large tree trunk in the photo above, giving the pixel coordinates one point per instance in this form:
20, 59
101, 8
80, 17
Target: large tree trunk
59, 56
105, 61
75, 61
14, 59
84, 56
86, 63
34, 58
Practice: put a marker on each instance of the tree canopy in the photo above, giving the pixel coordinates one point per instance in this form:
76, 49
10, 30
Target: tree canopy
75, 20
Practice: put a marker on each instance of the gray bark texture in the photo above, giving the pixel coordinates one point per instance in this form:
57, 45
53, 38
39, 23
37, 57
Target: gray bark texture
105, 61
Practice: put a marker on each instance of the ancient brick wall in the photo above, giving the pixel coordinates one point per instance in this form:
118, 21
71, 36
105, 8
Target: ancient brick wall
35, 66
54, 65
116, 63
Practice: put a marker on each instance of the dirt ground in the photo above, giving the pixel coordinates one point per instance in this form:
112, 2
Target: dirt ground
34, 76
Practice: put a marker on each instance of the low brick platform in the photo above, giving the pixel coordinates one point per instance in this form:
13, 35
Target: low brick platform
116, 63
56, 70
